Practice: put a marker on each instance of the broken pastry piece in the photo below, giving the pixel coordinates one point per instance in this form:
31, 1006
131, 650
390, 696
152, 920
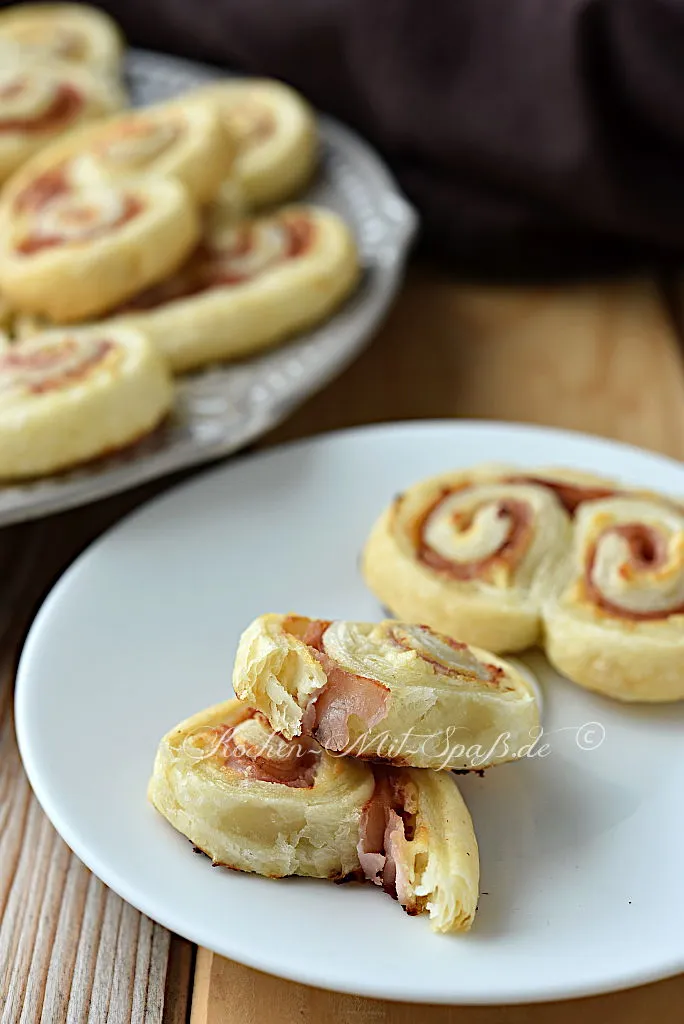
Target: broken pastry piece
256, 802
389, 691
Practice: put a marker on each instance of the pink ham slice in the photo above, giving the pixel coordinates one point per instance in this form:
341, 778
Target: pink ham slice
345, 693
648, 552
383, 847
281, 762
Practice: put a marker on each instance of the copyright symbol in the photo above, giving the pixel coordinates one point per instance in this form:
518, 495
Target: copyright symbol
590, 736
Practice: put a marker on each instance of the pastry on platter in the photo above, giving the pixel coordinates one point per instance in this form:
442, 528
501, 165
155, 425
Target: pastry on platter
70, 396
468, 553
248, 285
256, 802
275, 132
616, 621
76, 34
184, 139
41, 102
71, 252
387, 691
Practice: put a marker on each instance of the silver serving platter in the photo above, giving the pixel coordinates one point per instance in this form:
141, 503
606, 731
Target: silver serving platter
227, 406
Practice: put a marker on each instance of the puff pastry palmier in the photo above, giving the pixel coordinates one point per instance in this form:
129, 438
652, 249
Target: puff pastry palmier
73, 252
387, 691
183, 139
256, 802
275, 133
70, 396
616, 621
76, 34
468, 553
249, 285
39, 103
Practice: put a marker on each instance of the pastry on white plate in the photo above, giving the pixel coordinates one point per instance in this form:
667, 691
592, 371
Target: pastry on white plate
41, 102
614, 622
68, 396
72, 252
389, 691
249, 285
275, 133
77, 34
468, 553
256, 802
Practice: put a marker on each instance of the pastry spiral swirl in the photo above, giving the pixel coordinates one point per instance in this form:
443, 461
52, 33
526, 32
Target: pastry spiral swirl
468, 554
38, 104
615, 622
275, 134
70, 251
74, 34
70, 396
390, 691
248, 285
256, 802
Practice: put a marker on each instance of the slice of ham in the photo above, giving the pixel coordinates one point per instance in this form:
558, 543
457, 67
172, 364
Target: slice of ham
647, 552
208, 268
66, 105
48, 369
282, 762
34, 243
345, 693
508, 553
384, 848
42, 189
571, 496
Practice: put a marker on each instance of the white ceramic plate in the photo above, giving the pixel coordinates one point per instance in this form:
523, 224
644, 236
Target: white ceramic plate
222, 408
582, 883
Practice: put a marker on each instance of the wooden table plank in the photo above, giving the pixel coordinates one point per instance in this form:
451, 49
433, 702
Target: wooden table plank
604, 359
598, 358
70, 949
227, 993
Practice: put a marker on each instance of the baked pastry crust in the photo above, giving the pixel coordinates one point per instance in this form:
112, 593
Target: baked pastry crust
82, 250
614, 621
390, 691
41, 102
224, 804
248, 286
76, 34
256, 802
468, 553
429, 857
70, 396
275, 133
184, 139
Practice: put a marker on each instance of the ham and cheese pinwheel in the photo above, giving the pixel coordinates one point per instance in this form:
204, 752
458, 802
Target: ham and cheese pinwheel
468, 553
185, 140
275, 133
248, 285
39, 103
256, 802
71, 252
388, 691
70, 396
76, 34
616, 621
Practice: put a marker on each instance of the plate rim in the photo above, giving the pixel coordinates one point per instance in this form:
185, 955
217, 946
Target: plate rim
111, 877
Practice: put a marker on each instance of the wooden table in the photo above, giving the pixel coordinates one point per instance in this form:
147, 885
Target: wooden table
603, 359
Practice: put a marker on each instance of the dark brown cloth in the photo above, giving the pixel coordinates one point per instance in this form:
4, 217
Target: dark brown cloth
538, 138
